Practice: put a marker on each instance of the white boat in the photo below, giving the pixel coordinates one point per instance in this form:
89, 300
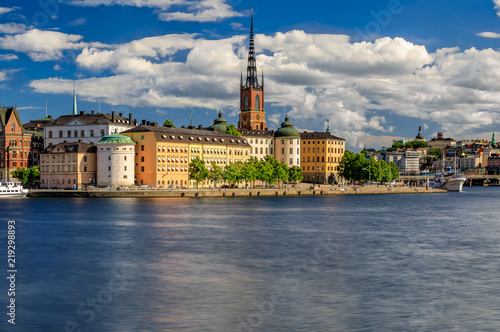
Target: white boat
12, 189
452, 182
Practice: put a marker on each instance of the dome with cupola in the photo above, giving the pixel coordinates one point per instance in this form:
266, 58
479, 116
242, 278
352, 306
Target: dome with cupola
286, 129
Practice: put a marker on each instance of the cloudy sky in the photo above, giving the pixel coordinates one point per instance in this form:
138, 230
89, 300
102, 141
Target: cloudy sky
375, 69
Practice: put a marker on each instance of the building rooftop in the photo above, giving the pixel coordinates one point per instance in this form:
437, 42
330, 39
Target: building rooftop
319, 135
92, 118
70, 148
116, 139
191, 135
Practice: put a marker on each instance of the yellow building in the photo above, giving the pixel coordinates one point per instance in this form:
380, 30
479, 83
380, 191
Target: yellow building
163, 154
67, 165
320, 156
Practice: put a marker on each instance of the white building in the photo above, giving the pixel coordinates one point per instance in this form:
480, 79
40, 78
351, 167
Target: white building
287, 144
115, 161
86, 128
470, 162
410, 162
261, 141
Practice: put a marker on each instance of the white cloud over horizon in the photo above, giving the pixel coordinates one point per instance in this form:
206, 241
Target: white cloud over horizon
4, 10
195, 11
313, 77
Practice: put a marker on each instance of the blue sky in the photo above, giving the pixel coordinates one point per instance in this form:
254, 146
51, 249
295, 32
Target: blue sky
375, 69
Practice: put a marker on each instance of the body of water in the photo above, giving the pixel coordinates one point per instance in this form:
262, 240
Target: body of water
424, 262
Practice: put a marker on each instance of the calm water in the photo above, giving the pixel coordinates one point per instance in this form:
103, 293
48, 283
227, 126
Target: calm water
351, 263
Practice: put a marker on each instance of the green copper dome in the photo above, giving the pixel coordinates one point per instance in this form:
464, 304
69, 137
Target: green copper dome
115, 139
220, 124
287, 129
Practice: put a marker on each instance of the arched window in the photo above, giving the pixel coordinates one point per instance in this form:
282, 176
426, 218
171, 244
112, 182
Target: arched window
257, 103
245, 103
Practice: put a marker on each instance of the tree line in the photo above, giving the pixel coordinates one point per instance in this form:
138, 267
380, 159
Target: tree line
29, 176
355, 167
268, 170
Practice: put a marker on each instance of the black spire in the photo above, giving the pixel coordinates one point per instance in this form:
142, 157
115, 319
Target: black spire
252, 80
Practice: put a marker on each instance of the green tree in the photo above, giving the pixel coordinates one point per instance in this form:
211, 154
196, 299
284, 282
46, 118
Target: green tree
231, 130
394, 170
215, 174
295, 174
232, 173
281, 173
22, 174
249, 171
168, 122
265, 170
397, 145
198, 171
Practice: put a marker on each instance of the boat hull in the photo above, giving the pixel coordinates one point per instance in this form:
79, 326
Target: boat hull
453, 185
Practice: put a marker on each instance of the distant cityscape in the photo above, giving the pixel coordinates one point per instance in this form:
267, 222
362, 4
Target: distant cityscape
97, 149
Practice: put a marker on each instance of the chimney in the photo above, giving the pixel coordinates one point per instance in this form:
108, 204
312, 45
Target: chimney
155, 124
200, 127
148, 123
50, 116
130, 118
135, 122
82, 112
113, 116
191, 127
143, 122
92, 112
183, 126
120, 114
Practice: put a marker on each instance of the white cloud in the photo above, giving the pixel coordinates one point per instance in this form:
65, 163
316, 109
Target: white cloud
489, 34
359, 87
196, 11
6, 74
4, 10
202, 11
497, 6
8, 57
42, 45
78, 22
12, 28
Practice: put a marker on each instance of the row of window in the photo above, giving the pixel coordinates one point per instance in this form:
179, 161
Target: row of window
58, 168
291, 150
323, 142
262, 150
14, 154
322, 159
328, 168
14, 164
262, 141
13, 142
69, 133
330, 150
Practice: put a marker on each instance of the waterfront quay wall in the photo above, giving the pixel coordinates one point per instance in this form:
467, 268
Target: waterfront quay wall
154, 193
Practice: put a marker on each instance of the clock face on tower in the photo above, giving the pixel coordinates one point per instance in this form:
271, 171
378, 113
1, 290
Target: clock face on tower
258, 117
244, 117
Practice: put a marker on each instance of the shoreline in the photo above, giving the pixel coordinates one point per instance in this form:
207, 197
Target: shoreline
257, 192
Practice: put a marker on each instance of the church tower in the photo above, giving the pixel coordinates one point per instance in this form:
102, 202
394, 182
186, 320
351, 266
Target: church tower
252, 114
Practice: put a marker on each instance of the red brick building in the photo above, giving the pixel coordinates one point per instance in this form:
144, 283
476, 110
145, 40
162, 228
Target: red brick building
252, 113
15, 143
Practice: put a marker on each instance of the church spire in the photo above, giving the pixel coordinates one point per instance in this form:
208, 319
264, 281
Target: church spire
252, 79
75, 111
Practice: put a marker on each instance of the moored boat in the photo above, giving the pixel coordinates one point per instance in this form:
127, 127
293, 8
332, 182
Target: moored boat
453, 182
12, 189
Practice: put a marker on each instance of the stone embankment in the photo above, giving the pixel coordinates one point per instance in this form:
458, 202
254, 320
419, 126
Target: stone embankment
300, 190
